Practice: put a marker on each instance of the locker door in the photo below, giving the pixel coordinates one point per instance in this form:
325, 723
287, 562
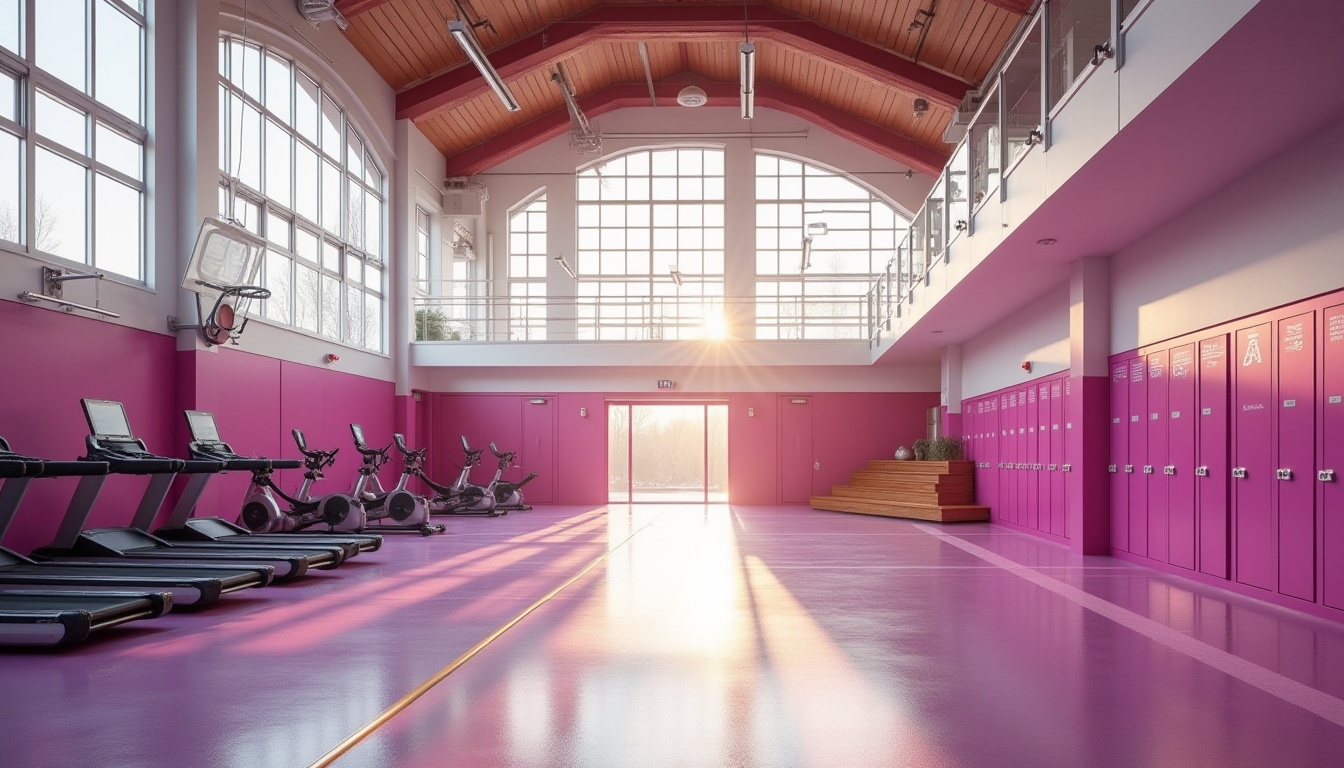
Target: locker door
1031, 499
1119, 455
1181, 457
1066, 424
537, 451
1214, 467
1057, 459
1295, 483
1158, 422
1043, 457
992, 457
1024, 511
1007, 490
1138, 456
1332, 457
1252, 483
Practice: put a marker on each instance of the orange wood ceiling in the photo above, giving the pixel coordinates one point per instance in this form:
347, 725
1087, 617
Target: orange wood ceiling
407, 42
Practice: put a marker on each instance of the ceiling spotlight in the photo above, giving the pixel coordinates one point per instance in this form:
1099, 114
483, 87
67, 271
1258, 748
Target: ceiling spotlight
909, 174
921, 107
1047, 241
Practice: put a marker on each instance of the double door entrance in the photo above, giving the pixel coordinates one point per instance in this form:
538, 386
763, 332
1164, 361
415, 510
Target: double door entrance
667, 452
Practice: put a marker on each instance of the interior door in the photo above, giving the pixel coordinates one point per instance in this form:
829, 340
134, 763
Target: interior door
536, 453
795, 450
1252, 482
1294, 483
1214, 465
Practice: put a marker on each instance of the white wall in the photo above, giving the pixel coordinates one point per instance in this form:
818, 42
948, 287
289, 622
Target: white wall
1038, 333
1272, 237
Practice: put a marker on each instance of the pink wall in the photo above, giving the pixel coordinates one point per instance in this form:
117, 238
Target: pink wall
848, 429
51, 360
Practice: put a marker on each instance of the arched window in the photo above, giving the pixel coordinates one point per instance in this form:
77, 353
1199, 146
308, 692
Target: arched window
651, 245
295, 169
527, 270
821, 239
72, 124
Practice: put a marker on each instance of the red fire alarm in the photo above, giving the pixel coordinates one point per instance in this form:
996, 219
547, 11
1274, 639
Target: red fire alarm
1027, 366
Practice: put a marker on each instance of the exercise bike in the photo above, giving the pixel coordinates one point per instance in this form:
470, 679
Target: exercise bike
262, 513
460, 498
406, 510
508, 495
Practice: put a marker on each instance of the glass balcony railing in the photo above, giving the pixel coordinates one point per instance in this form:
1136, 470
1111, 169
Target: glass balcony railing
1060, 45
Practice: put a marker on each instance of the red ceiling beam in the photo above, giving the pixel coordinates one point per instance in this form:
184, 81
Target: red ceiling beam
1016, 6
895, 146
350, 8
676, 22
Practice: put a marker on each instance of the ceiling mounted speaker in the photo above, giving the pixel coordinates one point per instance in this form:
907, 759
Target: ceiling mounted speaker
692, 96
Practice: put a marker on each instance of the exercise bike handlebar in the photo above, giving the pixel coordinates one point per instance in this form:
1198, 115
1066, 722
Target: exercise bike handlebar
315, 459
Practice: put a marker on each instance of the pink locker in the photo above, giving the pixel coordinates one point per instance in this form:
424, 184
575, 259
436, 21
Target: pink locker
1057, 460
1294, 483
1119, 455
1043, 457
1156, 461
1008, 455
1252, 477
991, 496
1332, 457
1180, 467
1031, 498
1023, 456
1211, 476
1138, 456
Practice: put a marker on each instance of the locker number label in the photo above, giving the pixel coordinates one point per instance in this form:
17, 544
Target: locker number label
1207, 411
1336, 399
1289, 403
1175, 414
1134, 418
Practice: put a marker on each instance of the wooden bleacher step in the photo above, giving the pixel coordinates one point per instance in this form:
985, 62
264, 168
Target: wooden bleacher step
938, 491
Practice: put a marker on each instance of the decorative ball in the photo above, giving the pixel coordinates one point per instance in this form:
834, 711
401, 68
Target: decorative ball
904, 454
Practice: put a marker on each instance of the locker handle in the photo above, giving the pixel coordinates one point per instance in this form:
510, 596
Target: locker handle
1239, 473
1054, 467
1170, 469
1129, 469
1112, 469
1201, 471
1036, 467
1147, 469
1326, 475
1066, 468
1283, 474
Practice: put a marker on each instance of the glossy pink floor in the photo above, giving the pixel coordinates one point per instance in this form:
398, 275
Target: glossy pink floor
707, 636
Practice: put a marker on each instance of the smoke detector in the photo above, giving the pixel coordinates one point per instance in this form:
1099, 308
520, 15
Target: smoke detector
692, 96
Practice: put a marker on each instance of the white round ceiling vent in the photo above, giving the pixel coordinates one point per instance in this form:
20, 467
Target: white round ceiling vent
692, 96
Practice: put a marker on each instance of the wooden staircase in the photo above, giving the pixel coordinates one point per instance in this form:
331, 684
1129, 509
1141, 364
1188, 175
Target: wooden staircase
941, 491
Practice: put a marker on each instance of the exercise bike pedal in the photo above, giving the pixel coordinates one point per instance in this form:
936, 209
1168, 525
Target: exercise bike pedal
430, 530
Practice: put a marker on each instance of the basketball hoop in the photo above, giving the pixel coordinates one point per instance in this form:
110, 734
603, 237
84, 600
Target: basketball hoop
226, 320
226, 259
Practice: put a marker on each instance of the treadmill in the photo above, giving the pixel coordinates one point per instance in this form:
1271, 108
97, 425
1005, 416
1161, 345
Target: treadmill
31, 617
187, 584
207, 445
111, 440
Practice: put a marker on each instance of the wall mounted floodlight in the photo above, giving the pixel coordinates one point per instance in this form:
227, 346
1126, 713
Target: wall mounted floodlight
747, 71
462, 34
807, 253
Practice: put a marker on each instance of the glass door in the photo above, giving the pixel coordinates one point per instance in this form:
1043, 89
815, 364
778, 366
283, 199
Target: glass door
667, 453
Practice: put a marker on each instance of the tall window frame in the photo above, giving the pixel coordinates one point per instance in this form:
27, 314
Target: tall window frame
422, 250
822, 238
72, 128
297, 170
528, 262
651, 258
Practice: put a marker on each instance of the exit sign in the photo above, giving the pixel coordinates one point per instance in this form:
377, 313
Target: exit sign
667, 384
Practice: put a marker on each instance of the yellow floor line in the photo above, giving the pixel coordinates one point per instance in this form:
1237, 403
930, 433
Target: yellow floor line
438, 677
